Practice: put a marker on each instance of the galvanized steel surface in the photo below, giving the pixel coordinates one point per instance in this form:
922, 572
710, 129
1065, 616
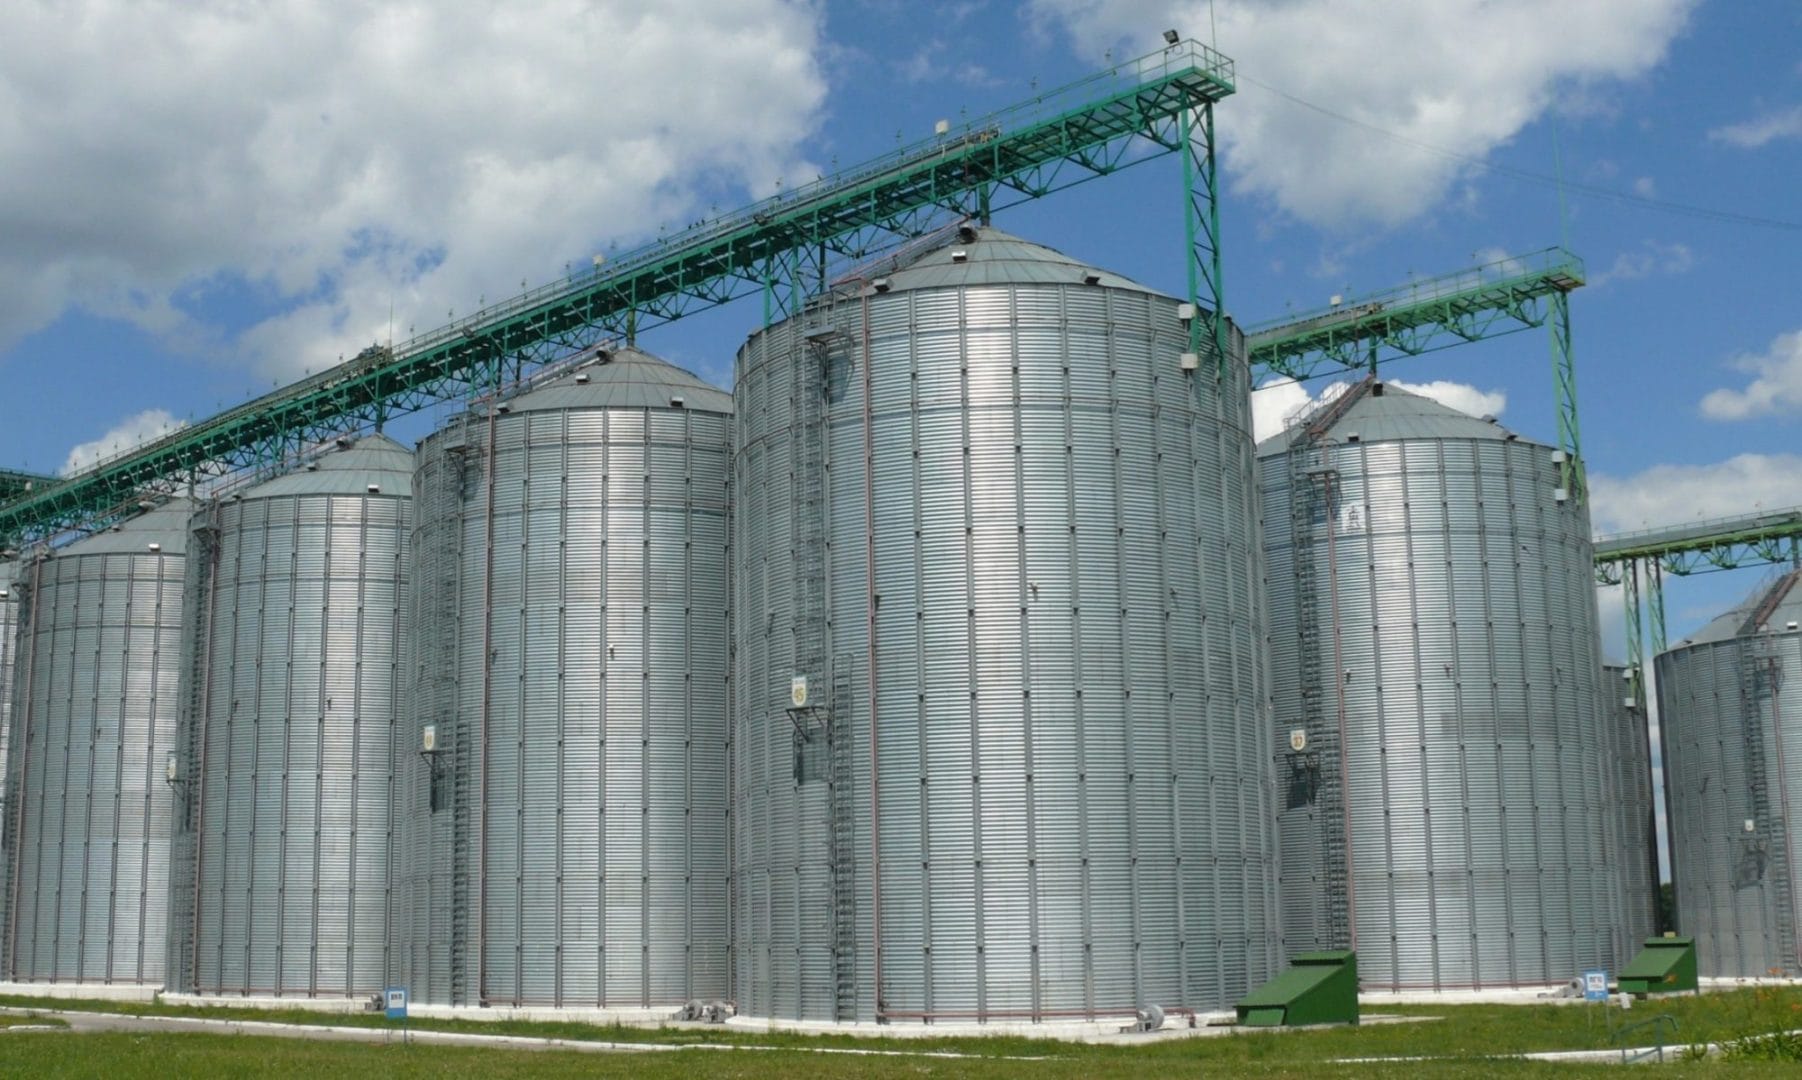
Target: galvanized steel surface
292, 662
1630, 752
95, 713
570, 654
1071, 807
9, 629
1481, 801
1730, 718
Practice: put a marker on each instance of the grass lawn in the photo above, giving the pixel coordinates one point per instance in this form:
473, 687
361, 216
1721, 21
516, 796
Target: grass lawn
1469, 1036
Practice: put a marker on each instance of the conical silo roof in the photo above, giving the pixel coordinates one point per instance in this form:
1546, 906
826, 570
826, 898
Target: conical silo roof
371, 461
987, 256
1383, 412
1775, 607
626, 378
165, 526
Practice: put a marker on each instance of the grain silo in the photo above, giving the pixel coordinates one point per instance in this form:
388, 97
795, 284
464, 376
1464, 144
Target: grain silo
1629, 753
1447, 798
291, 656
1730, 719
564, 768
97, 676
1000, 701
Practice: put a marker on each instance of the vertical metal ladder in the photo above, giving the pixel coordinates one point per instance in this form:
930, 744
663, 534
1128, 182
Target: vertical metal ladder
1309, 475
1760, 682
822, 718
842, 809
446, 571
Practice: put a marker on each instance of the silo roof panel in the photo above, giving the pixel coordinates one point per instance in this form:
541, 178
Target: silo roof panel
373, 459
999, 258
1727, 625
623, 379
1396, 415
166, 525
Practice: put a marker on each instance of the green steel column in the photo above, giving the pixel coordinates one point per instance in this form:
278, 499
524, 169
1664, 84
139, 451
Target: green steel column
1564, 375
1655, 607
1201, 232
1635, 634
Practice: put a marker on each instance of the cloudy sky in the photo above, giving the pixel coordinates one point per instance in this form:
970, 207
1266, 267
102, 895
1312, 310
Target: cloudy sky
204, 198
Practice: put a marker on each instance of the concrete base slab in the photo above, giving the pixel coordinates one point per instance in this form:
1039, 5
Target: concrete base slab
83, 991
335, 1005
1501, 995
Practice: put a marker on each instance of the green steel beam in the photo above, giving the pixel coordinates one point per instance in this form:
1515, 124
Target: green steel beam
781, 247
1424, 316
1759, 539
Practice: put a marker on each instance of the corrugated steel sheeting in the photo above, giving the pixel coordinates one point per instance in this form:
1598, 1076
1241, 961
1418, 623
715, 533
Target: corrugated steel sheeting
570, 635
1481, 804
9, 630
1074, 811
1630, 751
95, 714
1730, 718
292, 659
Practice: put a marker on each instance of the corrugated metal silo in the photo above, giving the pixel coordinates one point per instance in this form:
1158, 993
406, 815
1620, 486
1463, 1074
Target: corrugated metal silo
1730, 717
1449, 805
97, 676
570, 645
1630, 753
1008, 543
292, 662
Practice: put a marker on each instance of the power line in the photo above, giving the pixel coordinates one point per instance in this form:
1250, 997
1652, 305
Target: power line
1704, 213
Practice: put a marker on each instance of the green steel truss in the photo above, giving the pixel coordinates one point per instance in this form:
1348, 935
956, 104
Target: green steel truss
1503, 297
1642, 559
784, 248
14, 483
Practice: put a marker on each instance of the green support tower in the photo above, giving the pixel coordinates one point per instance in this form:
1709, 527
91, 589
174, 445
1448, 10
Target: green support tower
1320, 988
1667, 965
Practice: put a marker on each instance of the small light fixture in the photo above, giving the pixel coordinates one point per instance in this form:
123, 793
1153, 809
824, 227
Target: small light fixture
943, 127
1171, 37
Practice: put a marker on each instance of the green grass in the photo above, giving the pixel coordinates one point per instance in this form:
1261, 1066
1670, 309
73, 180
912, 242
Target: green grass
1468, 1037
10, 1021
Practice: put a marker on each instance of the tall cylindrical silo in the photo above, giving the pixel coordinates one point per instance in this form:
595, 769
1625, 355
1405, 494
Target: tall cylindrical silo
296, 606
1000, 698
1629, 752
565, 830
1730, 719
1448, 806
97, 675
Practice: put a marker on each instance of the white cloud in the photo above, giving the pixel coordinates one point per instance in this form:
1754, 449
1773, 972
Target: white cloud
1751, 134
1776, 385
1674, 494
1651, 258
1282, 401
1461, 396
129, 432
337, 156
1408, 67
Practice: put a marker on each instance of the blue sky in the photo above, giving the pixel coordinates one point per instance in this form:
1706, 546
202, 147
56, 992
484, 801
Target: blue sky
201, 203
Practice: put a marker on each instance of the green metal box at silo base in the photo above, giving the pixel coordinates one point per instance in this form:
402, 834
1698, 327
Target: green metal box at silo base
1319, 988
1666, 965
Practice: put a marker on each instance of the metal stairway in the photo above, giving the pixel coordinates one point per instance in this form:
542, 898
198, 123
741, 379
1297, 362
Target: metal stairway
1760, 681
1311, 477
